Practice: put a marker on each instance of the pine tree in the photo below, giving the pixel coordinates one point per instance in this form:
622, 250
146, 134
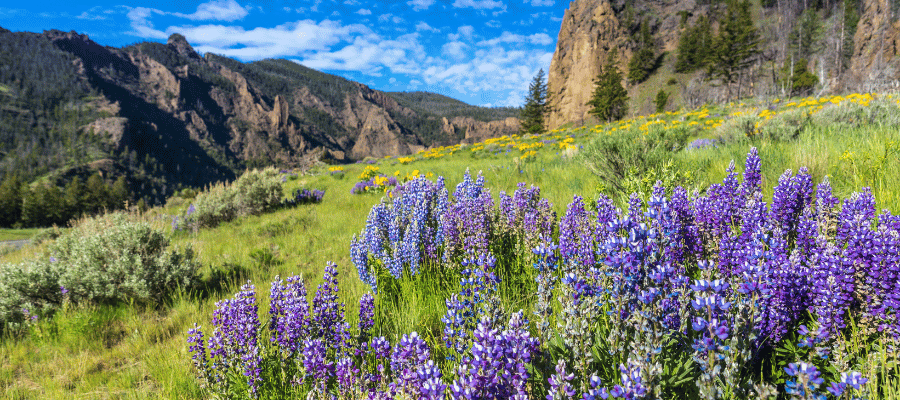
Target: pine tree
694, 46
736, 45
805, 38
643, 61
119, 194
75, 197
532, 114
10, 201
609, 101
97, 195
802, 81
662, 100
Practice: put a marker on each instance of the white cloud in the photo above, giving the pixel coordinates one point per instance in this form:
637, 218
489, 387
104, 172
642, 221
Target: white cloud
369, 54
466, 31
507, 37
493, 23
479, 4
224, 10
422, 26
141, 25
90, 17
455, 49
290, 39
392, 80
499, 76
364, 11
538, 3
419, 5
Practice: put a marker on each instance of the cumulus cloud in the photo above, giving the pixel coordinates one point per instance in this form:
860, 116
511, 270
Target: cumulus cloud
508, 37
419, 5
539, 3
371, 54
141, 25
422, 26
288, 39
479, 4
455, 50
225, 10
493, 70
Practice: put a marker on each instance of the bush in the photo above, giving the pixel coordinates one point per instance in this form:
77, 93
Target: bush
106, 260
867, 111
254, 192
614, 157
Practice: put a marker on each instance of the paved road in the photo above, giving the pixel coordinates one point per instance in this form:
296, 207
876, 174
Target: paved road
14, 243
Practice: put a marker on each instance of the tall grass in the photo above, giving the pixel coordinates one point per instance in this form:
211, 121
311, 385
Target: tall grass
131, 351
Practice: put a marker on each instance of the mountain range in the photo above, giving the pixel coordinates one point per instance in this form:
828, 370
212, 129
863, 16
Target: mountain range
167, 118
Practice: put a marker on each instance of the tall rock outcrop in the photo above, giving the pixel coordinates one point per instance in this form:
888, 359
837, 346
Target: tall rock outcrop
591, 28
875, 63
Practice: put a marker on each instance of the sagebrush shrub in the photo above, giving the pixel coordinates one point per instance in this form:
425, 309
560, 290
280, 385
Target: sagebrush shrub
253, 193
108, 260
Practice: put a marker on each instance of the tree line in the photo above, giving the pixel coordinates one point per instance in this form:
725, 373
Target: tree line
41, 204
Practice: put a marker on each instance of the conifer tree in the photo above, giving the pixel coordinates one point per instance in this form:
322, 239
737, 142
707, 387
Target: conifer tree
10, 201
644, 59
736, 45
694, 46
609, 101
661, 100
802, 81
75, 197
119, 193
96, 195
532, 114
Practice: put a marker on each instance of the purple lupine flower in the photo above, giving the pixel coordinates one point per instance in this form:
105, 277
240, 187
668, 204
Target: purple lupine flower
327, 312
560, 388
526, 214
234, 338
808, 379
198, 352
315, 361
698, 144
410, 356
400, 233
289, 314
752, 183
494, 366
366, 314
468, 222
576, 233
475, 299
347, 375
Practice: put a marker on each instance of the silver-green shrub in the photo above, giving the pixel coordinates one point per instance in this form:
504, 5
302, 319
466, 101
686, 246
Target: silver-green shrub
108, 260
254, 192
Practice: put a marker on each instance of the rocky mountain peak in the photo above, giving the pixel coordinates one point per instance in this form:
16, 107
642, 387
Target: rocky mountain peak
178, 42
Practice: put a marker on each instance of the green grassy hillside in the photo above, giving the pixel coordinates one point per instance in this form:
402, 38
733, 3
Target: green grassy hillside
138, 351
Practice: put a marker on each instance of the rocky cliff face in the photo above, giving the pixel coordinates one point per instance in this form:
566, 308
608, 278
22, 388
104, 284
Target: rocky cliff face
173, 97
591, 28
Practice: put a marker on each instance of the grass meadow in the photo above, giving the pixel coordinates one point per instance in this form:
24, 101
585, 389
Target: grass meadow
137, 351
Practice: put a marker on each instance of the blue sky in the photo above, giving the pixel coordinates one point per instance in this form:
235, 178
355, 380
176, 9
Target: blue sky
483, 52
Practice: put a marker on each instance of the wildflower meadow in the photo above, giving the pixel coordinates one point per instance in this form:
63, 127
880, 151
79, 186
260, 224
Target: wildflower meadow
740, 251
